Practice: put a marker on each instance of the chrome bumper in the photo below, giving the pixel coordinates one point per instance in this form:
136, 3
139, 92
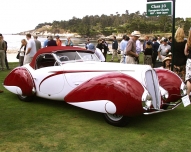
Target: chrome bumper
153, 111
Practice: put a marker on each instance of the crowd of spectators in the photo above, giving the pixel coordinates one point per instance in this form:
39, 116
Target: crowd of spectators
157, 52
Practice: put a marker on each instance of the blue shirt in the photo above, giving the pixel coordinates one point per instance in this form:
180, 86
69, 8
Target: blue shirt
66, 43
45, 43
123, 45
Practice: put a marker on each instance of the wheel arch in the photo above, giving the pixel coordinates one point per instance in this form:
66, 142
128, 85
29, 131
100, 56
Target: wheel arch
20, 79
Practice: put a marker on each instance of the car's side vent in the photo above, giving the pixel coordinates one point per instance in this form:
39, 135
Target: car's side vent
152, 85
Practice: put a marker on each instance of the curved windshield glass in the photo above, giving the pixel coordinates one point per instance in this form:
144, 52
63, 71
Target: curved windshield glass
75, 56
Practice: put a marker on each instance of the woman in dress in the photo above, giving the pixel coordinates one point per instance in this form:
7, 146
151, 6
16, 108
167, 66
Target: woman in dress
187, 52
148, 53
179, 56
22, 51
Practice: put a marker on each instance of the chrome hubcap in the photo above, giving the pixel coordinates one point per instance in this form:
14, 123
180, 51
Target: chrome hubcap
114, 117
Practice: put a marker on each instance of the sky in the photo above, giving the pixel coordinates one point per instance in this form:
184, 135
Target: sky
23, 15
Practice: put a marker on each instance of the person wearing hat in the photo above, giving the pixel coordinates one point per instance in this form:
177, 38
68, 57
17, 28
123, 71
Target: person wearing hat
169, 55
163, 49
130, 52
167, 63
58, 41
97, 51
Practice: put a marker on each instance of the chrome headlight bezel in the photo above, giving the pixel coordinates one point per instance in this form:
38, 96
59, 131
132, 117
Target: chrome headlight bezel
164, 93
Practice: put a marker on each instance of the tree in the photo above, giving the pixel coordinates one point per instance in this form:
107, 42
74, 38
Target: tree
187, 26
118, 23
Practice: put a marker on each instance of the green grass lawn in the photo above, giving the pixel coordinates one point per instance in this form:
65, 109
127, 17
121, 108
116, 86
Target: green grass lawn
108, 58
52, 126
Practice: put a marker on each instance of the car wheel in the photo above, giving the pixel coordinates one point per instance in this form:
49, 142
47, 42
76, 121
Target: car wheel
25, 98
116, 120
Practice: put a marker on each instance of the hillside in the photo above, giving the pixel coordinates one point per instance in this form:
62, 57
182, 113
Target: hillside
45, 31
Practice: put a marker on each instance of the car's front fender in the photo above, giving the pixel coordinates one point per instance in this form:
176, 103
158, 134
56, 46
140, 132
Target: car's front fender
122, 90
170, 82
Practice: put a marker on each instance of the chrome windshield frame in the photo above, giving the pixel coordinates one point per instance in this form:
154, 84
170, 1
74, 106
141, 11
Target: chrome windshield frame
77, 54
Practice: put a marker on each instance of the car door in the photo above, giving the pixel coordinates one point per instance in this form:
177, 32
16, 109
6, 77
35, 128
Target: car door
48, 77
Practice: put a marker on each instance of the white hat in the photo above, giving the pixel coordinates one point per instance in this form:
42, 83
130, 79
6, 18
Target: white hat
167, 58
136, 33
169, 54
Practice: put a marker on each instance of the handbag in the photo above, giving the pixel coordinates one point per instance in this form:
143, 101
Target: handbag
18, 55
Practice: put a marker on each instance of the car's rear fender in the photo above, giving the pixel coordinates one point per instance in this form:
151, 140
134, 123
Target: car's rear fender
20, 81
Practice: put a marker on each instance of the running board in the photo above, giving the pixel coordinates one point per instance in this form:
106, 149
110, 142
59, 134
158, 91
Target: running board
162, 110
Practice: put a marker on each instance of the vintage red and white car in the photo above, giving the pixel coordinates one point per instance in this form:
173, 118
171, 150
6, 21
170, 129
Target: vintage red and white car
76, 76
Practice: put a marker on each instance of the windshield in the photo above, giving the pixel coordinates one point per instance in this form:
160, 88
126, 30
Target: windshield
75, 56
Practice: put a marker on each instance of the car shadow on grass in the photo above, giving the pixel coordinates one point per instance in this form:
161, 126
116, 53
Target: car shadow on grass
164, 120
64, 107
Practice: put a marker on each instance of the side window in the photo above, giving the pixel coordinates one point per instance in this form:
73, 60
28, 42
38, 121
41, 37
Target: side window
45, 60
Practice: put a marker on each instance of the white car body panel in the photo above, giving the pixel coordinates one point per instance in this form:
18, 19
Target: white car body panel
103, 106
71, 80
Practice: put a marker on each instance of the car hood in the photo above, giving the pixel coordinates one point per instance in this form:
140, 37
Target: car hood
104, 66
135, 70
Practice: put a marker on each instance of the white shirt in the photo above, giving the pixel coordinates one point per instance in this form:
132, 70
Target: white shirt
22, 51
123, 46
31, 44
99, 54
138, 46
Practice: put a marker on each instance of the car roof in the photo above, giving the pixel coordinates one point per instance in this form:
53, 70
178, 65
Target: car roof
52, 49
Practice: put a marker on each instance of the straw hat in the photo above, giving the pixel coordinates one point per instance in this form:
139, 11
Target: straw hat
169, 54
136, 33
167, 58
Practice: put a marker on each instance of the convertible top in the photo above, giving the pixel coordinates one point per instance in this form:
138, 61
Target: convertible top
52, 49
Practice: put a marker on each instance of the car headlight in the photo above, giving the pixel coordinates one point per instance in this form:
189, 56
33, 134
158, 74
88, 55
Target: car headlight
146, 100
183, 89
164, 93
